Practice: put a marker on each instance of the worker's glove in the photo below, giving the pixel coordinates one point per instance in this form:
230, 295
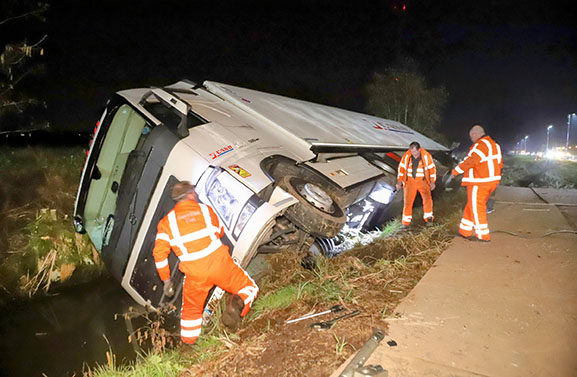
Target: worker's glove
399, 185
168, 288
433, 186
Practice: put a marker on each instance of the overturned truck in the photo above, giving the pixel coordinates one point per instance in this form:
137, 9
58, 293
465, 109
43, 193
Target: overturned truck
280, 173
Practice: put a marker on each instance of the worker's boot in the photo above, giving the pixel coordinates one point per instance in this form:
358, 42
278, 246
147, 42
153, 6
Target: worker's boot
187, 349
231, 317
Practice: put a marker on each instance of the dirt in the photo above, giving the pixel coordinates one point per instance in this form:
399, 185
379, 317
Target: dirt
269, 347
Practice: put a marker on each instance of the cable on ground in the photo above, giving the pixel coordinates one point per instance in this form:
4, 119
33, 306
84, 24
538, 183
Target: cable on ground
532, 237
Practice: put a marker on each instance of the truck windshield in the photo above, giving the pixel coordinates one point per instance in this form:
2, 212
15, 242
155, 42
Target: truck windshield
126, 129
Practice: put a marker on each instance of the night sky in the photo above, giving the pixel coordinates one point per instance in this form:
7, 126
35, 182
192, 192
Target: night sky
509, 65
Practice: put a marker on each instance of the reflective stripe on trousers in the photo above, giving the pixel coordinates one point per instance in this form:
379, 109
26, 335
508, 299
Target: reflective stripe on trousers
216, 269
475, 213
410, 189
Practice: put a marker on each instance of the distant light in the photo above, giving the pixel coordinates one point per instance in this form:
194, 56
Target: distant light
405, 8
551, 126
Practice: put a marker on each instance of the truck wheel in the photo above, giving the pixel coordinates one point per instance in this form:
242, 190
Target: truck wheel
316, 213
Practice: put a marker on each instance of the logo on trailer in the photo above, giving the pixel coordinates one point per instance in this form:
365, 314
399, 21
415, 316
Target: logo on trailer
221, 151
390, 127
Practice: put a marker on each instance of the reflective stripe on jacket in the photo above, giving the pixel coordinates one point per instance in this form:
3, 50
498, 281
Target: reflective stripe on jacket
426, 168
483, 163
191, 230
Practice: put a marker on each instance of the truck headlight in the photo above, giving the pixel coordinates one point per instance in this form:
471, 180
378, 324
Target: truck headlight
382, 193
243, 218
223, 201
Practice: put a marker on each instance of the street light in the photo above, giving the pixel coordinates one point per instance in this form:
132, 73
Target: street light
568, 126
526, 137
548, 129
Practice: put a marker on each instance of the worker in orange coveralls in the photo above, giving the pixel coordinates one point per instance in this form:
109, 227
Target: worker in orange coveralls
482, 174
191, 229
417, 173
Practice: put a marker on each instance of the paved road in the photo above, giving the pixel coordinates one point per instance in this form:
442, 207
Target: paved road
505, 308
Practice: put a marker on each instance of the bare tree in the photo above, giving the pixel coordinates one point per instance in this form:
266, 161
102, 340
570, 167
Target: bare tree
18, 61
402, 95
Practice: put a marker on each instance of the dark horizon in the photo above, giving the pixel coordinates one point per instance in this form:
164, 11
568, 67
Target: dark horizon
509, 65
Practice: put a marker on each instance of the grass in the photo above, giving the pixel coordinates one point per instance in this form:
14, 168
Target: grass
340, 344
527, 172
170, 363
38, 246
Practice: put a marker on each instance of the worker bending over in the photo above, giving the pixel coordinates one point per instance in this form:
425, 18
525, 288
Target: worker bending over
192, 230
482, 174
417, 173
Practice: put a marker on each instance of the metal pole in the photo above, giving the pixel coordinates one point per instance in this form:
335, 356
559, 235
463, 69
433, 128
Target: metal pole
364, 353
568, 126
526, 137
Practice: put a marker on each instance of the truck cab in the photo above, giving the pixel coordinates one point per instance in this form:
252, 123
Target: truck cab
280, 173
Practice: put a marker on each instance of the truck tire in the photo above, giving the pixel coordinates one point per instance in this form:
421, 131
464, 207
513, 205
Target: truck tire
313, 213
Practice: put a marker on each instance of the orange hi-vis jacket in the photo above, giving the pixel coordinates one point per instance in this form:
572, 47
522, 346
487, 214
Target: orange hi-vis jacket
426, 168
483, 163
193, 232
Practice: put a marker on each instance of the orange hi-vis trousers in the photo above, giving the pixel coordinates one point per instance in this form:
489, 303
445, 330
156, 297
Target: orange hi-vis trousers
410, 189
475, 213
216, 269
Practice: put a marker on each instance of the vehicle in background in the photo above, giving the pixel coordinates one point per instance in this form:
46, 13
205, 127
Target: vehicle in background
280, 173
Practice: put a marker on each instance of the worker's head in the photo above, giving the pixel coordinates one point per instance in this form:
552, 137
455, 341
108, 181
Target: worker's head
476, 133
184, 191
415, 149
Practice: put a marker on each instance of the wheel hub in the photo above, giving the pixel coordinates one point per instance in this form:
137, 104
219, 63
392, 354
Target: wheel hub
317, 197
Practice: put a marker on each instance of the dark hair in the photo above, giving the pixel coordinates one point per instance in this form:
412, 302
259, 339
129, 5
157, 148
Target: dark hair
415, 144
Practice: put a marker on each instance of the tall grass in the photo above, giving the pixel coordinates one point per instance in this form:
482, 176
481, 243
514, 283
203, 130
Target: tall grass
167, 364
38, 245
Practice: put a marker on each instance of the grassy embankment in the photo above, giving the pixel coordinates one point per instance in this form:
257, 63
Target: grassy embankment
371, 278
526, 172
39, 249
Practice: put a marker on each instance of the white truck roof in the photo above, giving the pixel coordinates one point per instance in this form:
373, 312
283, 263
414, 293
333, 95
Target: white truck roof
323, 127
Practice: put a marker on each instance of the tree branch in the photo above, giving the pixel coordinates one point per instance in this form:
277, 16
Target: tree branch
31, 13
17, 104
